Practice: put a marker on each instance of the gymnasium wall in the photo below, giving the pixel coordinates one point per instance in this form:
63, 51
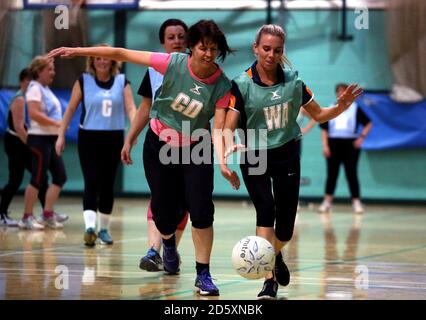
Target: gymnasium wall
314, 50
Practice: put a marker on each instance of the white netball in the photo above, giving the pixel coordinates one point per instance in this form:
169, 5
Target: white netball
253, 257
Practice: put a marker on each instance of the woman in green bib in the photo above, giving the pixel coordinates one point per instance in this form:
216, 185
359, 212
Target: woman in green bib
265, 101
194, 89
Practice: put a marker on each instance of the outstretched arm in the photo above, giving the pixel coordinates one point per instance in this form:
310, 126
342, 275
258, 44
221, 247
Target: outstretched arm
118, 54
137, 125
231, 123
218, 140
344, 101
76, 96
18, 116
310, 124
129, 103
325, 146
35, 112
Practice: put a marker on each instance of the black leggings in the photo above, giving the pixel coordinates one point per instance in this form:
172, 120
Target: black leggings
19, 159
342, 151
176, 187
99, 153
43, 159
275, 194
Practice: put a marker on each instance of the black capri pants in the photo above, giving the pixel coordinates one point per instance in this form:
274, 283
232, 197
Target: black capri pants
19, 159
343, 151
99, 152
275, 194
182, 184
43, 159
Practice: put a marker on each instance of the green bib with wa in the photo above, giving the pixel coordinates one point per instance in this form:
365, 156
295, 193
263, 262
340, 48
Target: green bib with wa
183, 102
271, 111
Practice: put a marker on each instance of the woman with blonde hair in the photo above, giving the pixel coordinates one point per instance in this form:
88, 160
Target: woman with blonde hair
45, 114
106, 97
267, 98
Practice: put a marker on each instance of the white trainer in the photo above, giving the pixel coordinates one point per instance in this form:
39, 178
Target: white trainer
6, 221
30, 224
325, 207
357, 207
51, 223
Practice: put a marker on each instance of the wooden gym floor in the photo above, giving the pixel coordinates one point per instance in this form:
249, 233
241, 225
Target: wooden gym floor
378, 255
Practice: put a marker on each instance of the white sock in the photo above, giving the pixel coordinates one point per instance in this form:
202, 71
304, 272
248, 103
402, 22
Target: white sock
104, 220
89, 219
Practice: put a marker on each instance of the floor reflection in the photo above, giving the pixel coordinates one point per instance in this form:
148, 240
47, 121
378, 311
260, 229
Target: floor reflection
340, 278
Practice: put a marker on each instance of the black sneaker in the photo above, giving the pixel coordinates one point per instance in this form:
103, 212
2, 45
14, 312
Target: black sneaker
282, 274
6, 221
152, 261
204, 284
269, 290
171, 259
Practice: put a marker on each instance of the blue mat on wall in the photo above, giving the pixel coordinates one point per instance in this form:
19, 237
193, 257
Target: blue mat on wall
395, 125
63, 95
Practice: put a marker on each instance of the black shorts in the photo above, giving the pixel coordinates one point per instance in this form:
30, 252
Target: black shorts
43, 159
180, 186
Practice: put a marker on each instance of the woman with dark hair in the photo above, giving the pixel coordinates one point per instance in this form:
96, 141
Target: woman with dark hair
18, 153
194, 89
106, 98
173, 36
341, 143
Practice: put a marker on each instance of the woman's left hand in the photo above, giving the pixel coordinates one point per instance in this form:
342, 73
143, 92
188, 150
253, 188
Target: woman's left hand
358, 142
231, 176
351, 93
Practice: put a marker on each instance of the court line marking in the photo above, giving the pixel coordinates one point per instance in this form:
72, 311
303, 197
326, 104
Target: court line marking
337, 262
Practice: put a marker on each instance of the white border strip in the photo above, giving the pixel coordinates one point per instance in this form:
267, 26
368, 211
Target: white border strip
257, 4
246, 4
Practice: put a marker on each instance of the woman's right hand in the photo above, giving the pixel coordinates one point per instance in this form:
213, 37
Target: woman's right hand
60, 145
63, 52
125, 153
231, 176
